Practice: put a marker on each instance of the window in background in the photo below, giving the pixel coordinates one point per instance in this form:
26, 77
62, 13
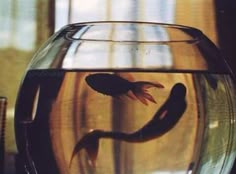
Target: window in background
74, 11
19, 23
25, 25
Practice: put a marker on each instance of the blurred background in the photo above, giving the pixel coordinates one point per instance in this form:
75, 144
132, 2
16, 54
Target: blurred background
26, 24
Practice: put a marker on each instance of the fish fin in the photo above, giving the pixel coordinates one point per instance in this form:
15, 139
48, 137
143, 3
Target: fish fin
92, 153
90, 142
147, 85
149, 97
77, 148
131, 95
127, 76
141, 91
142, 99
158, 85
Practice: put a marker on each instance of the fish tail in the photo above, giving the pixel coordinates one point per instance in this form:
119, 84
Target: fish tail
141, 91
147, 85
143, 97
90, 142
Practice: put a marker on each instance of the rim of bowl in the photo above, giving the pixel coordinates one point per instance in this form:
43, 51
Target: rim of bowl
195, 34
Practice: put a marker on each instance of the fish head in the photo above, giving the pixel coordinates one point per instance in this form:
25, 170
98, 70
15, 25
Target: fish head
178, 91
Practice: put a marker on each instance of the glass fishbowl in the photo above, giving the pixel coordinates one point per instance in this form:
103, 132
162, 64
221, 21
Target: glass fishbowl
123, 97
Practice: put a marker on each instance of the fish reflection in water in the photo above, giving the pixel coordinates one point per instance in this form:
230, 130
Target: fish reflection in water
115, 86
163, 120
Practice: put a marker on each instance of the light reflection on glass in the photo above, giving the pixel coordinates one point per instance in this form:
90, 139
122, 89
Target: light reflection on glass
159, 54
95, 10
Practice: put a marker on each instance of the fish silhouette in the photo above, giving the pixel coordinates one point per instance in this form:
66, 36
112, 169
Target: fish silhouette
164, 120
115, 86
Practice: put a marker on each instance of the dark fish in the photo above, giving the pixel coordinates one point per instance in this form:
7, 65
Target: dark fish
115, 86
164, 120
